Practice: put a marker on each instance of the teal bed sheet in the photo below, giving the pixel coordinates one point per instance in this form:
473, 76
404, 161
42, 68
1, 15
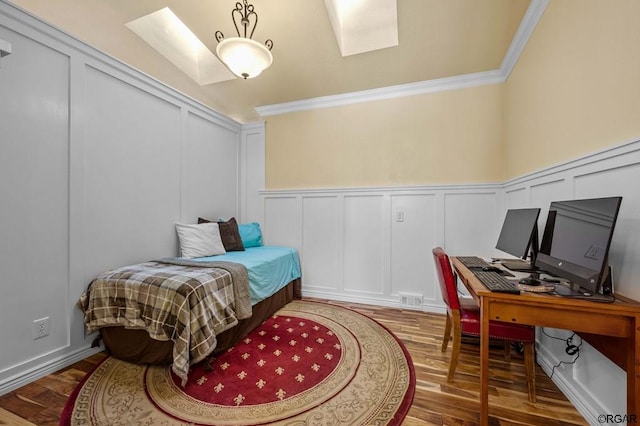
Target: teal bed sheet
270, 268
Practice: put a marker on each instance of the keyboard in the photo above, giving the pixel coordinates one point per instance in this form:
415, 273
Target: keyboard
493, 281
472, 261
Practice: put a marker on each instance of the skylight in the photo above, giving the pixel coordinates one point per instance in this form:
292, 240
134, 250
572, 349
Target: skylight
362, 26
167, 34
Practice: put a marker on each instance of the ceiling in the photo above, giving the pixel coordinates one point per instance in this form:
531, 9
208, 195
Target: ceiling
436, 39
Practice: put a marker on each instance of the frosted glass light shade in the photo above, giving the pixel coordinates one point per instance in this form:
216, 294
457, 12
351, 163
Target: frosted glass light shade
245, 58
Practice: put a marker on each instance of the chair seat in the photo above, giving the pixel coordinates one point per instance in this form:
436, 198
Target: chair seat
470, 321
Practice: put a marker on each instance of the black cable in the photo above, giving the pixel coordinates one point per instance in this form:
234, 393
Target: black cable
571, 349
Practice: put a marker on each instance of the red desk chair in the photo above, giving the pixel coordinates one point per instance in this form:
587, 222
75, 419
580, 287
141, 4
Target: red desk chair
464, 316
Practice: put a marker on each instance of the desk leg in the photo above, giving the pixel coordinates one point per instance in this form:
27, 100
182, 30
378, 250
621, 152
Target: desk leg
484, 361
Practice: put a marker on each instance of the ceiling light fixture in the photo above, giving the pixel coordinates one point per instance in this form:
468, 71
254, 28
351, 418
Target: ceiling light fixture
246, 58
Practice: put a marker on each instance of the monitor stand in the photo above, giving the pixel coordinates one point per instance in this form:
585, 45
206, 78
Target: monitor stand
533, 280
522, 265
576, 292
518, 265
607, 282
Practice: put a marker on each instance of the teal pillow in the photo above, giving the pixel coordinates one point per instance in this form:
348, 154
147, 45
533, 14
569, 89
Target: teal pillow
250, 234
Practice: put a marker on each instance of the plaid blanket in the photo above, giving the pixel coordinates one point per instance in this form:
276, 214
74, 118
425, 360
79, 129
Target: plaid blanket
187, 302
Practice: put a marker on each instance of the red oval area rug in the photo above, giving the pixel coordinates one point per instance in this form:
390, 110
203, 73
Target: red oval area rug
311, 363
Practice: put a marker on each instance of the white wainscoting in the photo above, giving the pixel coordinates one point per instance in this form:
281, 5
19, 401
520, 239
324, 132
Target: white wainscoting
252, 170
98, 162
612, 172
374, 245
594, 384
35, 196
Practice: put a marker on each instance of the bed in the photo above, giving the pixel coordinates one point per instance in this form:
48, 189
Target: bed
181, 310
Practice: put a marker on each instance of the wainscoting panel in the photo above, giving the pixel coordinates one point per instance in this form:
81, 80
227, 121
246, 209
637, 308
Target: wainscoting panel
413, 236
365, 229
322, 236
471, 223
131, 173
209, 178
34, 198
282, 223
544, 192
517, 198
251, 170
625, 246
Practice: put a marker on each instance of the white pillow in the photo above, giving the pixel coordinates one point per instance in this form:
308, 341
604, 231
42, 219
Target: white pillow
199, 240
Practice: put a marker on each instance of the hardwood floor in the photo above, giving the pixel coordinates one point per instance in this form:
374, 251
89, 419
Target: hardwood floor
436, 402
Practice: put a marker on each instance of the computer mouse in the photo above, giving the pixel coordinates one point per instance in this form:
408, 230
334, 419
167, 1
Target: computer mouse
490, 269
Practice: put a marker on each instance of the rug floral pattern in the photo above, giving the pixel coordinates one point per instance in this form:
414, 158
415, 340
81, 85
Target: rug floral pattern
360, 375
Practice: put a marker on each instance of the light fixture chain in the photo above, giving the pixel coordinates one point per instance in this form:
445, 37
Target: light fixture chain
241, 16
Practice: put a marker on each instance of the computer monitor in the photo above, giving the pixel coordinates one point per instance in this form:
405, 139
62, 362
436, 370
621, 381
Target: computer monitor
577, 238
519, 234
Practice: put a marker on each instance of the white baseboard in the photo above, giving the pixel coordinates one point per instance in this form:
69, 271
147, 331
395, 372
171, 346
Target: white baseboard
45, 368
587, 406
351, 298
368, 300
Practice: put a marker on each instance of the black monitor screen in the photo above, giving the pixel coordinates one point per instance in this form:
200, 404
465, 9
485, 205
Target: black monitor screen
576, 240
517, 232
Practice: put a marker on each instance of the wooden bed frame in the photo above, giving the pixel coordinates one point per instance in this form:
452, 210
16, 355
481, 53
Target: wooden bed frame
136, 346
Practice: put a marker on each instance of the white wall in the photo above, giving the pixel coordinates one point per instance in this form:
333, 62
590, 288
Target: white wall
353, 247
97, 163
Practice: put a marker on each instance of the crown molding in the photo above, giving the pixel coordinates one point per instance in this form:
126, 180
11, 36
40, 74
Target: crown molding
411, 89
520, 39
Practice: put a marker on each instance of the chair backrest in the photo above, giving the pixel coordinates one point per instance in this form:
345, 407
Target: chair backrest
446, 278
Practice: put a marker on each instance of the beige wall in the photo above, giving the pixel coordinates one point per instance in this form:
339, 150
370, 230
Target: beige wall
447, 137
576, 88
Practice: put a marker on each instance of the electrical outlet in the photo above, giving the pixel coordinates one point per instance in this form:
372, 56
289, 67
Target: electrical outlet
40, 328
410, 300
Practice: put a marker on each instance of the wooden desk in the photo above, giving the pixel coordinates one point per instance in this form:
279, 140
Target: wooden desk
619, 320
